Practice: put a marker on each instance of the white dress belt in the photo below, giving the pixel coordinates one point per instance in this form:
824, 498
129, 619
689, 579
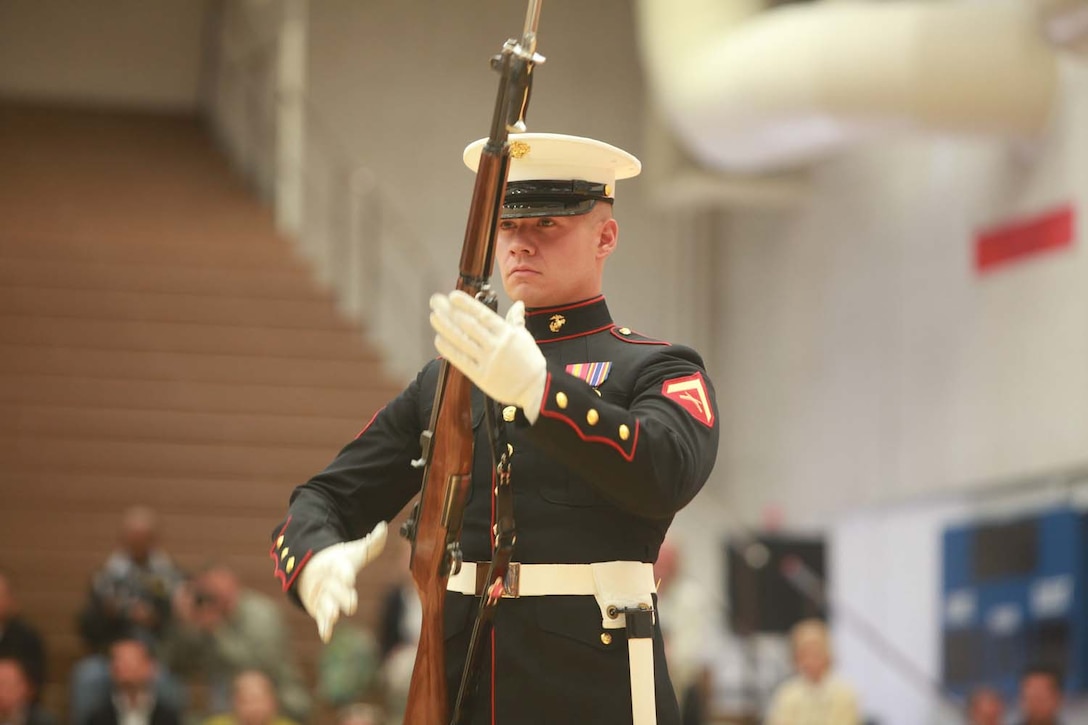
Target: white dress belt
542, 580
617, 585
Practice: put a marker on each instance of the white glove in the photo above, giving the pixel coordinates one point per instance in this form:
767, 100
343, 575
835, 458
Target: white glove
497, 354
327, 585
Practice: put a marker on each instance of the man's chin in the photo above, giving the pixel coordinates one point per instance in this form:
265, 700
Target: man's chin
526, 293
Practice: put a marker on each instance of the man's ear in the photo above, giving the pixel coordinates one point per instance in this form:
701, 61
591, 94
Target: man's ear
607, 238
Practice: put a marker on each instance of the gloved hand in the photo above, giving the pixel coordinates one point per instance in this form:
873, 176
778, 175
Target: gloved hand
326, 585
497, 354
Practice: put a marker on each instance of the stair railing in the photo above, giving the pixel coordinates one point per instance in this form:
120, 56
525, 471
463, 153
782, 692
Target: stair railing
359, 245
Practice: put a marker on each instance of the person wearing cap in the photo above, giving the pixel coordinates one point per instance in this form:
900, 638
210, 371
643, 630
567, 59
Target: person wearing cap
613, 432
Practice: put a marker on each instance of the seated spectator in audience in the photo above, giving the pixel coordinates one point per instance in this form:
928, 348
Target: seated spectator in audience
222, 629
16, 706
684, 617
347, 669
129, 597
400, 622
20, 641
814, 696
360, 714
253, 702
1040, 696
401, 613
133, 700
985, 707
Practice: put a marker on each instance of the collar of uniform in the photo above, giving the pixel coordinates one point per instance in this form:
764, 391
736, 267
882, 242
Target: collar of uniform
551, 324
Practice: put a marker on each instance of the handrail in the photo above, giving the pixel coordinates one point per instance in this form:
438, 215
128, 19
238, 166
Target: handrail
358, 243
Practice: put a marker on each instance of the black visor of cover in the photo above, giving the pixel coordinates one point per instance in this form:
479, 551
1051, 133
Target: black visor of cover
541, 198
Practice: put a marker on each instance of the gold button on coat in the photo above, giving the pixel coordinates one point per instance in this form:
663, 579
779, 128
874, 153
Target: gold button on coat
561, 399
509, 413
592, 416
290, 564
624, 330
625, 432
279, 541
606, 638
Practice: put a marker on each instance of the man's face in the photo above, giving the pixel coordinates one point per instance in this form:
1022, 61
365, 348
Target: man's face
254, 699
812, 659
14, 691
1040, 698
548, 261
131, 667
987, 709
138, 539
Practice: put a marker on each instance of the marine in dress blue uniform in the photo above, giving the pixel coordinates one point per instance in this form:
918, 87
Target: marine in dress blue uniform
621, 435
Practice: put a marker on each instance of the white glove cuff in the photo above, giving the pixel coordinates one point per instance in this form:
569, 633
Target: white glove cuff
535, 397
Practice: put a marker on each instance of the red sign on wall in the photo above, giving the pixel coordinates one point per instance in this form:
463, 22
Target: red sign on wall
1013, 241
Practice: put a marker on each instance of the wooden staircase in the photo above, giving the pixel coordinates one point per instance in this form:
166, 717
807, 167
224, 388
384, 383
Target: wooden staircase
159, 344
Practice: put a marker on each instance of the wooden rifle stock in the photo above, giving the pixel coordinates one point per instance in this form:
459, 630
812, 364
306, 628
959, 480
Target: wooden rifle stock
435, 526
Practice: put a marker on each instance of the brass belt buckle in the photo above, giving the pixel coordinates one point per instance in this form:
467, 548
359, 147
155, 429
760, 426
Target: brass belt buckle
511, 582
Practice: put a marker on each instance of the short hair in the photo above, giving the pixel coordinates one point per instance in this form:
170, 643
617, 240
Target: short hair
254, 673
20, 667
808, 629
140, 641
140, 516
1052, 673
980, 692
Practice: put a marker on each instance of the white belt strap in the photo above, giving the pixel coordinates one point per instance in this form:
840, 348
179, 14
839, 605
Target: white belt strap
640, 653
617, 586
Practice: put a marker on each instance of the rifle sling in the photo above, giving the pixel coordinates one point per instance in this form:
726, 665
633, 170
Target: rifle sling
503, 548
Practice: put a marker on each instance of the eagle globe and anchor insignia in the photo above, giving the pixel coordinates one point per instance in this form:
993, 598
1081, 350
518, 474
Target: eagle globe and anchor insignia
556, 322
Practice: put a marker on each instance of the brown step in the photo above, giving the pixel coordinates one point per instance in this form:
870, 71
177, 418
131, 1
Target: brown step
179, 427
161, 307
47, 573
191, 396
147, 246
192, 367
277, 462
48, 490
182, 337
66, 274
198, 534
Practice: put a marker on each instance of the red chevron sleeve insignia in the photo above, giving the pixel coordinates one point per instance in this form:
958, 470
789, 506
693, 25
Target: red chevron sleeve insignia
690, 394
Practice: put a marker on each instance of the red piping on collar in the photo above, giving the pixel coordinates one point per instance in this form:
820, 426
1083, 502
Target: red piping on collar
563, 308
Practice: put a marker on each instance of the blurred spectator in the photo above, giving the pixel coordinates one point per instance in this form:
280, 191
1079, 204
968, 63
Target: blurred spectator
985, 707
16, 707
683, 607
360, 714
20, 641
223, 629
401, 614
814, 696
400, 622
347, 670
133, 700
253, 702
1040, 696
129, 597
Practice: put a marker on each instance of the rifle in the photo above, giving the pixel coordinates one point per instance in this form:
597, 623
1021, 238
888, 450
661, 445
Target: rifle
434, 527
